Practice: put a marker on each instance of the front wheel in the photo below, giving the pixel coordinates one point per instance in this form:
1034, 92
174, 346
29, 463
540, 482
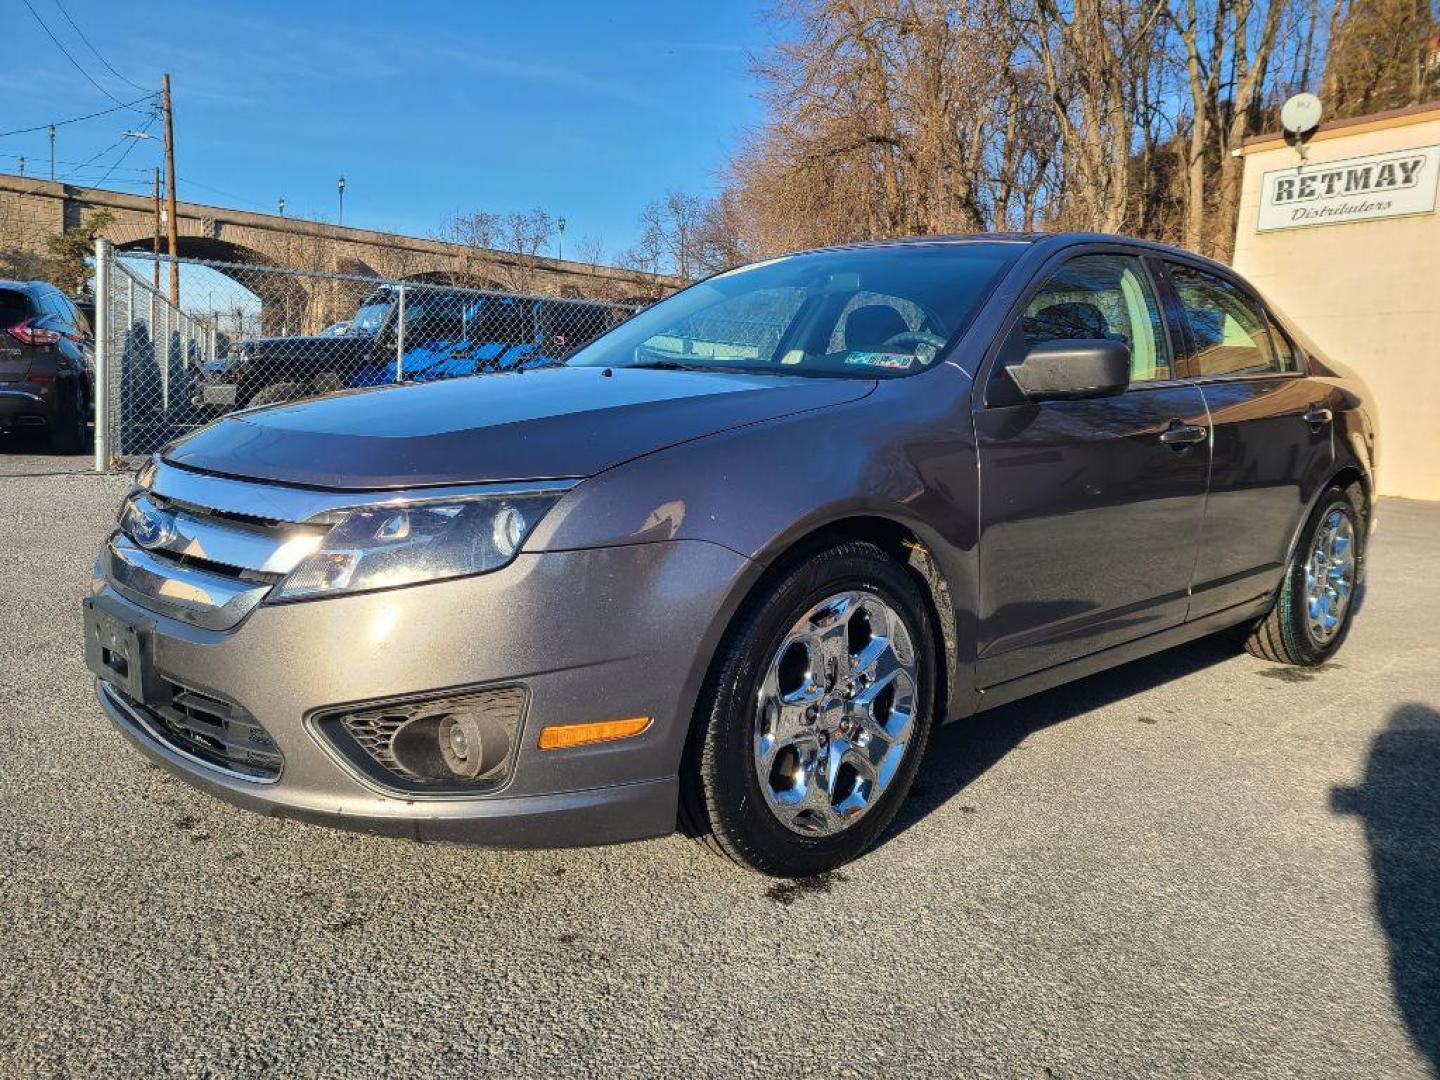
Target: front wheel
1315, 605
816, 715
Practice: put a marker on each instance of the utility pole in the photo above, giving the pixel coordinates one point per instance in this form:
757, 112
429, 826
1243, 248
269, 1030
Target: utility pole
52, 151
172, 225
155, 238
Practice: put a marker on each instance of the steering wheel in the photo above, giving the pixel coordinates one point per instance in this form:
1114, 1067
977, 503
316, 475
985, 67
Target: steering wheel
924, 345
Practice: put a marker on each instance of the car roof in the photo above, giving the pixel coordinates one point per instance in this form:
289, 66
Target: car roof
1051, 240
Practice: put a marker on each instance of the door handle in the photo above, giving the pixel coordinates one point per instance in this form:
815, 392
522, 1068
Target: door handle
1317, 416
1183, 434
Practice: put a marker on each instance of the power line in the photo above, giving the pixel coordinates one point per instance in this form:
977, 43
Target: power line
62, 161
78, 119
75, 63
94, 50
124, 154
121, 159
97, 157
220, 191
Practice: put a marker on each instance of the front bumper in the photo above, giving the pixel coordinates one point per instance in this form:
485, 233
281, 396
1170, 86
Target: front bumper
591, 635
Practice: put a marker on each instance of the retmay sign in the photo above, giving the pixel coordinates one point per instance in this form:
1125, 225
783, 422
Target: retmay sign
1352, 189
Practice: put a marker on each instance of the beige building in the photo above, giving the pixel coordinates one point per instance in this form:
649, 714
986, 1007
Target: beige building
1347, 243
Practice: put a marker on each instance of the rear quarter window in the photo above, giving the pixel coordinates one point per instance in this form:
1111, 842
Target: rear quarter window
15, 307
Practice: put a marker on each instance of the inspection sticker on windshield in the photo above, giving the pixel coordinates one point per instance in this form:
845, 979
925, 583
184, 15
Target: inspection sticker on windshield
898, 361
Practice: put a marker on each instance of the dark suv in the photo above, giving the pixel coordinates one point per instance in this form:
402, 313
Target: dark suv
46, 380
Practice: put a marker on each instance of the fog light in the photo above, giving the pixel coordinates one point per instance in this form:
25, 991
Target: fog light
459, 747
454, 743
470, 746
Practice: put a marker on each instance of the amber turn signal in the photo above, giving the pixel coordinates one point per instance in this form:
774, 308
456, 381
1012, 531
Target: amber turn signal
559, 736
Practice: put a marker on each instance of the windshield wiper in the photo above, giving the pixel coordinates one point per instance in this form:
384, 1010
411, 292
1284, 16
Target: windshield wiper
666, 365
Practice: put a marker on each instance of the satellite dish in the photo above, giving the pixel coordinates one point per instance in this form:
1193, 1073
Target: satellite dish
1300, 115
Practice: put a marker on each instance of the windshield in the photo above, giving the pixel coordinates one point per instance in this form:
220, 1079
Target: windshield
370, 317
860, 313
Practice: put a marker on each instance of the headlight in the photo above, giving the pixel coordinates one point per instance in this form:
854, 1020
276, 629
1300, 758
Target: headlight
381, 547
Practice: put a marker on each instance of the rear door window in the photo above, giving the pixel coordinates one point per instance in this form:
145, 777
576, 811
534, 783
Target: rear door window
1230, 330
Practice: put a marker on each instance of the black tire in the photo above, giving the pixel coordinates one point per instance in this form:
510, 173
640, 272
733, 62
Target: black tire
70, 432
722, 802
1284, 635
277, 392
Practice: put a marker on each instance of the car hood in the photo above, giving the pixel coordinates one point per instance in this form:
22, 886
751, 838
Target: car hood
537, 425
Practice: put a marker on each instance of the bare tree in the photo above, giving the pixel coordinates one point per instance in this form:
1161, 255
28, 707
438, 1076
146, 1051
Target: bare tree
1384, 54
891, 117
501, 249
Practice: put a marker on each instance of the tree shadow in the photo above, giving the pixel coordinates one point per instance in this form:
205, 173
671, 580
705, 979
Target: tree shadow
959, 753
1399, 804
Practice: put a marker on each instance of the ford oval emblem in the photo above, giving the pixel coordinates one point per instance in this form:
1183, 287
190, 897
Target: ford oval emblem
151, 528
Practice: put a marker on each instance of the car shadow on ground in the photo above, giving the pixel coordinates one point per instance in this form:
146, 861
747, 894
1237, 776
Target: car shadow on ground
1398, 802
963, 751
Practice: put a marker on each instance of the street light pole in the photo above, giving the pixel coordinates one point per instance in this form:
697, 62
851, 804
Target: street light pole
282, 205
340, 186
561, 226
52, 151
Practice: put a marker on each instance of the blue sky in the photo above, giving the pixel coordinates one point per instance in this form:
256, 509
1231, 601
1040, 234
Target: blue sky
580, 108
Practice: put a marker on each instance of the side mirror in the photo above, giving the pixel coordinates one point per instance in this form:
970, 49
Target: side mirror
1069, 370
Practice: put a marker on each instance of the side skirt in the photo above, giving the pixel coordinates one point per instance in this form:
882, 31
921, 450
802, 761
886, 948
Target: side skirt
1014, 689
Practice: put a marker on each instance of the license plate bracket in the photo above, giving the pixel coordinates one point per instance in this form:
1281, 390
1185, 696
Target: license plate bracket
118, 650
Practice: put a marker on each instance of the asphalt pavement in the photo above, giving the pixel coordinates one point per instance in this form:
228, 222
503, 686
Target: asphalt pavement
1200, 864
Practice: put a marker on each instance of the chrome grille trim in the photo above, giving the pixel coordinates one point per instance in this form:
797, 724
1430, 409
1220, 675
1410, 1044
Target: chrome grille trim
238, 544
201, 598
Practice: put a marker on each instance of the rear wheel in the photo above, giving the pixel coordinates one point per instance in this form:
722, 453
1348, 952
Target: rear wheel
815, 717
1315, 605
70, 432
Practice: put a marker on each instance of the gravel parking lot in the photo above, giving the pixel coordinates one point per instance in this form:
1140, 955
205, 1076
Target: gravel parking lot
1197, 864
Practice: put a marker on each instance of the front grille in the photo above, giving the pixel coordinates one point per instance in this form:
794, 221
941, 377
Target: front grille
213, 731
366, 736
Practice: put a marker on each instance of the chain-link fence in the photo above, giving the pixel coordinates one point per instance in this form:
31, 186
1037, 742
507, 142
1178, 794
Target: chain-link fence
245, 335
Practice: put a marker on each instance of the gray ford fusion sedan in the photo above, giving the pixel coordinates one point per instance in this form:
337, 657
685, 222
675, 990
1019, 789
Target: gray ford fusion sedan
729, 565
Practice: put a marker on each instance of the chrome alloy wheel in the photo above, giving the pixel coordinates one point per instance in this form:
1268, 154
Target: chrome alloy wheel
835, 712
1329, 577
